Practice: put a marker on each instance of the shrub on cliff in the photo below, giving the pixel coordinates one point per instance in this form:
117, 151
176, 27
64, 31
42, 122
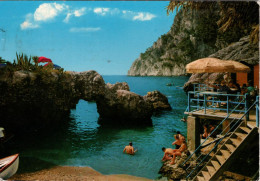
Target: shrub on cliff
25, 63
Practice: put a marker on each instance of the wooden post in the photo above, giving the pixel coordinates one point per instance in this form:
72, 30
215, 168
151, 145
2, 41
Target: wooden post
193, 133
225, 126
189, 102
205, 103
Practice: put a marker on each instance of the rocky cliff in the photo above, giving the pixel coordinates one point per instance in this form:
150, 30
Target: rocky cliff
193, 35
34, 100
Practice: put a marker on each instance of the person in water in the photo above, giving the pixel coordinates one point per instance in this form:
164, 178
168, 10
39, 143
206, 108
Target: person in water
179, 151
129, 149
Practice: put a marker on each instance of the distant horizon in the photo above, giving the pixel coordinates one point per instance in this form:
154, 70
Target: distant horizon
105, 36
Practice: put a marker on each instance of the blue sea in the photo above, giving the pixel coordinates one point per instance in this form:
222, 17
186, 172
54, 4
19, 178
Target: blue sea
83, 142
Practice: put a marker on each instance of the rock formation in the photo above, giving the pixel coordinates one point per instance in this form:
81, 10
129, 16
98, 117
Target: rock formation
174, 172
45, 98
193, 35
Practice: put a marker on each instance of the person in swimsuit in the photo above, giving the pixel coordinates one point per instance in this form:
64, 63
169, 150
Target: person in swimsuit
178, 141
179, 151
129, 149
206, 131
168, 153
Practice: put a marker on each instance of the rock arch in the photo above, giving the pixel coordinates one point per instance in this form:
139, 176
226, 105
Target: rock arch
40, 99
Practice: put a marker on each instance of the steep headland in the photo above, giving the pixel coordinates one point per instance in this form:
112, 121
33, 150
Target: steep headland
194, 35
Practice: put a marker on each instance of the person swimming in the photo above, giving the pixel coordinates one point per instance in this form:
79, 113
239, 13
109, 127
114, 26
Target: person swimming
129, 149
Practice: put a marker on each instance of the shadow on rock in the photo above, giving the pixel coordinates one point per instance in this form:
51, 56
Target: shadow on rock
31, 164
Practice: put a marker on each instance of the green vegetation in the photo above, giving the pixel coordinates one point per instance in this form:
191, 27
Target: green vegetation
2, 60
25, 63
167, 64
232, 15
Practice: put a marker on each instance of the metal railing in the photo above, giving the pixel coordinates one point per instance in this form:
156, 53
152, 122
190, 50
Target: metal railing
257, 111
202, 87
217, 101
219, 141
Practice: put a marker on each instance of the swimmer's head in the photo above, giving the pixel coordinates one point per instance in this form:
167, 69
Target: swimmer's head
130, 143
163, 148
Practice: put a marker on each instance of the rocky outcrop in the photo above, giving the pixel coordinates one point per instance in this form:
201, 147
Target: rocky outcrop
124, 107
241, 51
45, 98
174, 172
173, 50
193, 35
157, 100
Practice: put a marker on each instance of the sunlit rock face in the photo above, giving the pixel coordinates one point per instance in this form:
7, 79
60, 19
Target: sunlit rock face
157, 100
38, 100
124, 107
194, 35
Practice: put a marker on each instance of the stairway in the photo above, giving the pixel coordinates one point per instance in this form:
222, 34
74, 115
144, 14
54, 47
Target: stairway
227, 153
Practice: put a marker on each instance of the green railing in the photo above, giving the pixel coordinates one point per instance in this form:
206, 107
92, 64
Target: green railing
257, 111
197, 151
202, 87
217, 101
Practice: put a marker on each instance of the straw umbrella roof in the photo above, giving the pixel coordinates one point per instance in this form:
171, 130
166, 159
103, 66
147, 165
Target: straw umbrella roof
239, 67
209, 65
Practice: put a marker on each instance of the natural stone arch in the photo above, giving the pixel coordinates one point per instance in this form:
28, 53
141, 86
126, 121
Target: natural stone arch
41, 99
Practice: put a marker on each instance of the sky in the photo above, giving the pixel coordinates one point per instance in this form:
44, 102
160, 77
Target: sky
106, 36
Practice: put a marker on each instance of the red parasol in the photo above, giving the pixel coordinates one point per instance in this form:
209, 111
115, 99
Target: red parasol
44, 59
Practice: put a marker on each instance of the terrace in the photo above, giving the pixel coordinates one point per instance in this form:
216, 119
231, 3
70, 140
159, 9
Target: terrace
237, 124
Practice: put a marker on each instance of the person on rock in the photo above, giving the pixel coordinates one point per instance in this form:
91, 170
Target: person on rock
168, 153
179, 151
178, 141
129, 149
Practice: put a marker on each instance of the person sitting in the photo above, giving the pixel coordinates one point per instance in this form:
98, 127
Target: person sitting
211, 129
168, 153
250, 88
206, 131
129, 149
222, 87
179, 151
178, 141
234, 87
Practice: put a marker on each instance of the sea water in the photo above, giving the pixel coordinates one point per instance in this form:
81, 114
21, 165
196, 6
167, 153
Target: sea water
83, 142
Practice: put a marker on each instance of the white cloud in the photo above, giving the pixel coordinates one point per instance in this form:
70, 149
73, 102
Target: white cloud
139, 16
29, 23
76, 13
106, 11
101, 11
79, 12
144, 16
48, 11
84, 29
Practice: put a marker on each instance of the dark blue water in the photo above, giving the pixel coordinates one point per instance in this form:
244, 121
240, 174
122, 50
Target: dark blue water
84, 143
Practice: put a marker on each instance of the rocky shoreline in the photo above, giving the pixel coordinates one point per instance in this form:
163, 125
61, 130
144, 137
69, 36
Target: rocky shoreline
35, 100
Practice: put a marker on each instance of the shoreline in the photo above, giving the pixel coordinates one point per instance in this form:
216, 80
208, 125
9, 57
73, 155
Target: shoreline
74, 173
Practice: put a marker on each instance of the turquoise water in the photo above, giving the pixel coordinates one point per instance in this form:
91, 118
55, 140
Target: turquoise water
82, 142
